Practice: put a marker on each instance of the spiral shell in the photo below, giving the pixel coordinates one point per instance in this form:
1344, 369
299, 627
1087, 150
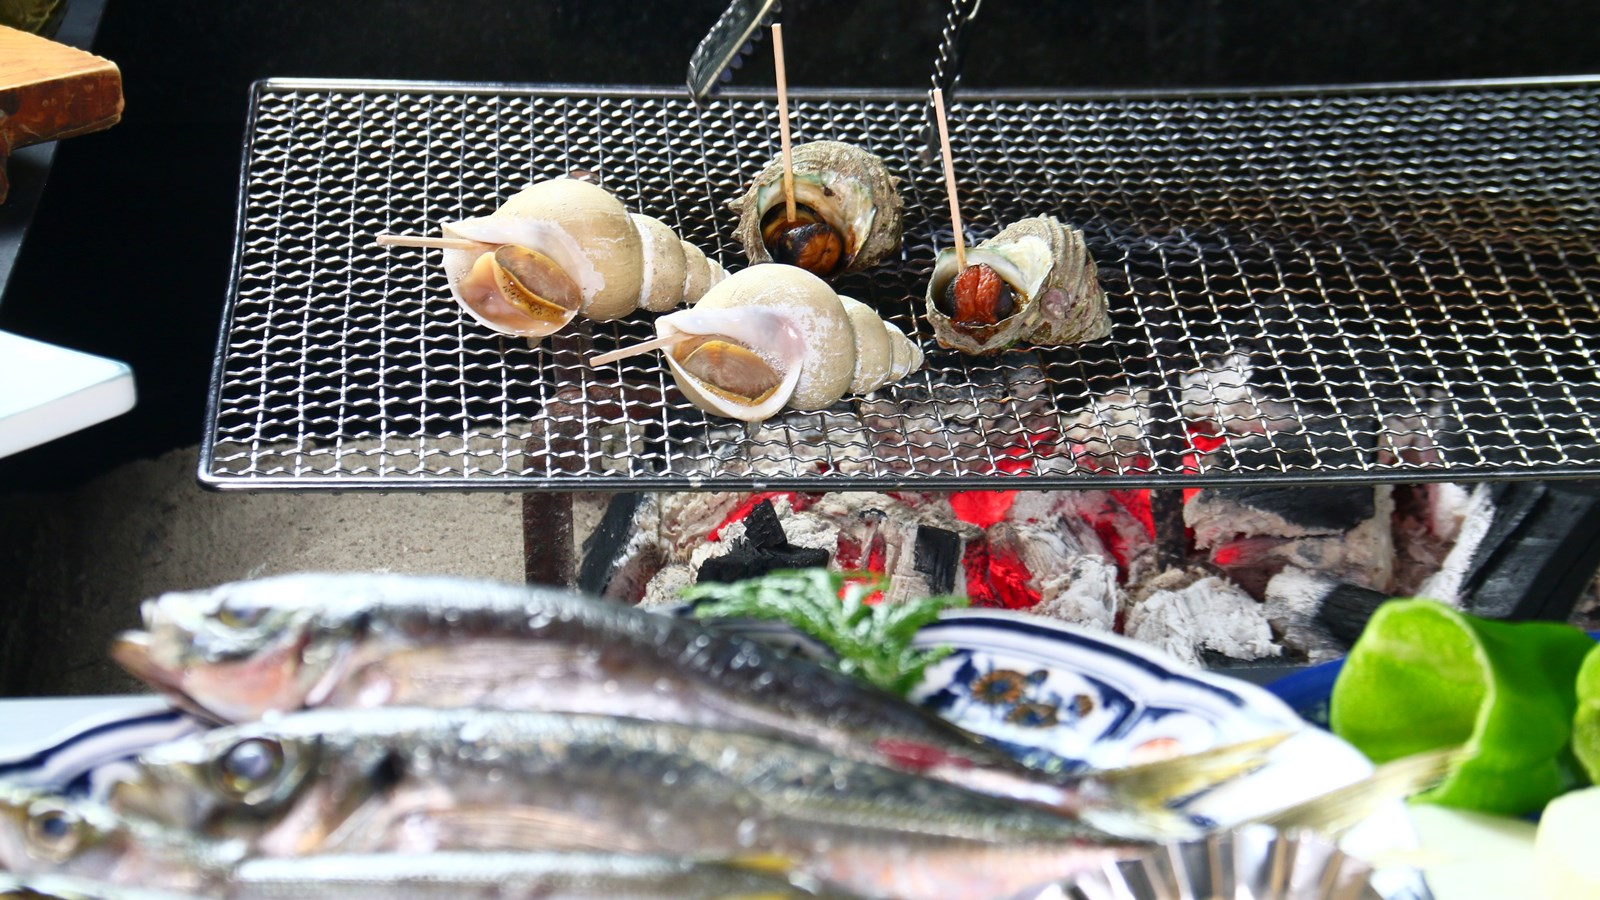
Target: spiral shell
846, 186
786, 339
579, 252
1058, 299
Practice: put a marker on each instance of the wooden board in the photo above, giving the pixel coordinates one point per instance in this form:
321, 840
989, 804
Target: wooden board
49, 91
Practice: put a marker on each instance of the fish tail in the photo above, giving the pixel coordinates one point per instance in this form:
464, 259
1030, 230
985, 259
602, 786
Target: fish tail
1153, 786
1343, 808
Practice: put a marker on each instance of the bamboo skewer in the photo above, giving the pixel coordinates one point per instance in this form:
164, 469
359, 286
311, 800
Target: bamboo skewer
426, 243
950, 179
783, 121
660, 343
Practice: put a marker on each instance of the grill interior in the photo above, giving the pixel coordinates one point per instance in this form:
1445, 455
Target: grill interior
1365, 284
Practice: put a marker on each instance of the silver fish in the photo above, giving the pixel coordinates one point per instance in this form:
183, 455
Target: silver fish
42, 833
243, 650
418, 781
67, 887
503, 876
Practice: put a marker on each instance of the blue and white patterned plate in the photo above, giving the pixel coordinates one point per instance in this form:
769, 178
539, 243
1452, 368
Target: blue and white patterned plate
77, 745
1041, 687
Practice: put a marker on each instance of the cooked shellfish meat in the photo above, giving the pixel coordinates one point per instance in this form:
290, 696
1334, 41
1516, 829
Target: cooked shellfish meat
847, 211
1033, 283
563, 248
773, 337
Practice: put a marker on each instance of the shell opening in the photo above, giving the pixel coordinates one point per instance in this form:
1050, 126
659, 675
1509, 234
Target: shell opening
728, 368
977, 295
809, 241
533, 283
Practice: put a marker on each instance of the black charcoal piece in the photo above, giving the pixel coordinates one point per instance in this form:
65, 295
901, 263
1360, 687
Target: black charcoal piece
1316, 509
762, 528
744, 560
1346, 608
936, 555
1540, 553
602, 550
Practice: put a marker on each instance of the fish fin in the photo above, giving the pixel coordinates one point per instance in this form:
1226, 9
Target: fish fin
1151, 786
1341, 809
528, 828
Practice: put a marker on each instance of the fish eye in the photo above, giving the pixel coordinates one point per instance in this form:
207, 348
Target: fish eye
250, 769
54, 833
240, 618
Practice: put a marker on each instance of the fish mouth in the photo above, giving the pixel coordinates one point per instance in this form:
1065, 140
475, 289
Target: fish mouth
134, 651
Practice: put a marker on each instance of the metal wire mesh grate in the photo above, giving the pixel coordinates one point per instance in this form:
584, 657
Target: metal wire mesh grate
1359, 284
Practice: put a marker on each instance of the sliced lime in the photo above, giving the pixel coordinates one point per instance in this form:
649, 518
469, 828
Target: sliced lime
1424, 676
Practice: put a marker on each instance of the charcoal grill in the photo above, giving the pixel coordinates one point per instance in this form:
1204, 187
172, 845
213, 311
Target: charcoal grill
1403, 265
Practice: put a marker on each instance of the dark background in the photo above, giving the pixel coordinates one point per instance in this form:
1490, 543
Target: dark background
130, 249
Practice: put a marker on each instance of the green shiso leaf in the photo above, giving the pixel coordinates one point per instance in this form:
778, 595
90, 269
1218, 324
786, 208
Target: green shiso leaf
873, 641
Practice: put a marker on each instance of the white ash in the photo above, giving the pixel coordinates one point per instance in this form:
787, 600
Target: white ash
1084, 592
1448, 505
1445, 585
687, 518
666, 588
1210, 613
809, 530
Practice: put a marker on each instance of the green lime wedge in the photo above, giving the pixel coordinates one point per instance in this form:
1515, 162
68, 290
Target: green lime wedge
1424, 676
1586, 724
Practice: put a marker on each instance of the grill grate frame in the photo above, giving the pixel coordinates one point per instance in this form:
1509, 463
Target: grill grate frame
1410, 271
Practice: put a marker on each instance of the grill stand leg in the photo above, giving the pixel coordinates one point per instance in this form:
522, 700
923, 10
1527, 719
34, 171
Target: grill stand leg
1172, 541
547, 538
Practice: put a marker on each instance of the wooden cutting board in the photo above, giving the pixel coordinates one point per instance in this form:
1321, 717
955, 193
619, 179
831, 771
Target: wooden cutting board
49, 91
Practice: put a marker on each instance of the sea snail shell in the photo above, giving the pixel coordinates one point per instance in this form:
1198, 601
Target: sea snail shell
848, 211
1034, 283
563, 248
775, 336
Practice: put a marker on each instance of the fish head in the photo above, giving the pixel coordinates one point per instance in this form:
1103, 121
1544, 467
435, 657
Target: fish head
43, 832
229, 783
236, 652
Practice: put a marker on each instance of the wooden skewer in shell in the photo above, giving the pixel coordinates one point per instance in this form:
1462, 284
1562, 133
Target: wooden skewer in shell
772, 337
563, 248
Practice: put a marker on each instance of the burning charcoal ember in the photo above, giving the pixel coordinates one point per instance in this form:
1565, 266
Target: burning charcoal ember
1420, 430
1219, 397
937, 557
1024, 563
1188, 612
1124, 533
684, 520
1218, 515
1306, 448
1110, 433
1317, 616
1364, 555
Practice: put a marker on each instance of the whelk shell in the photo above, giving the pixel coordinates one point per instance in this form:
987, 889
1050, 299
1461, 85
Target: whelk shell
775, 336
563, 248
